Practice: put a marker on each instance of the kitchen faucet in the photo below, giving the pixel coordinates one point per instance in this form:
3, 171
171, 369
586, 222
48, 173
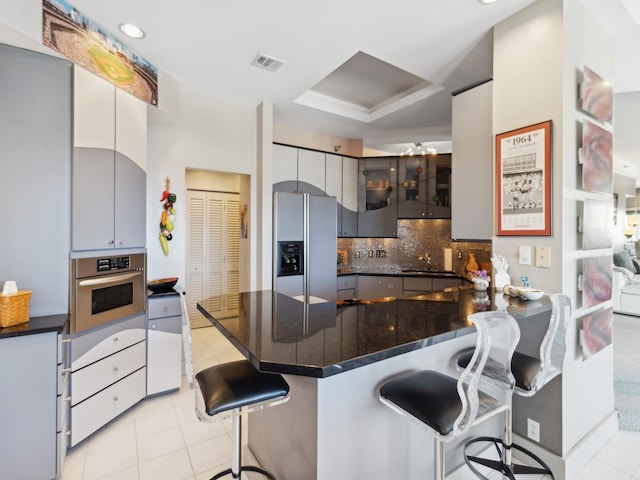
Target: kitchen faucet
426, 258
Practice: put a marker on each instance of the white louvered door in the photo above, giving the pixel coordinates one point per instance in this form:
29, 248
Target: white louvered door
213, 253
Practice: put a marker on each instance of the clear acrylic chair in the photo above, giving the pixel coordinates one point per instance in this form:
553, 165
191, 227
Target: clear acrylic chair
531, 374
449, 407
230, 389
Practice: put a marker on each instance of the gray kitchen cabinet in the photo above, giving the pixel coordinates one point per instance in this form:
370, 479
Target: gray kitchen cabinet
416, 285
377, 197
108, 178
472, 138
34, 415
164, 343
347, 287
446, 282
379, 286
342, 181
424, 186
35, 161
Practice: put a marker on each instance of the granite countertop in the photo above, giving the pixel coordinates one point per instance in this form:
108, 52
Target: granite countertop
280, 334
44, 324
398, 272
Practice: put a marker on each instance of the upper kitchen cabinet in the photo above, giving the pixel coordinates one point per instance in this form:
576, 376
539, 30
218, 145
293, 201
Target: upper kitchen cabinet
472, 137
424, 186
377, 197
296, 170
109, 160
342, 181
285, 169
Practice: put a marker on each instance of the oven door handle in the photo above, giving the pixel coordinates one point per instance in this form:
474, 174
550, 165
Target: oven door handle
108, 279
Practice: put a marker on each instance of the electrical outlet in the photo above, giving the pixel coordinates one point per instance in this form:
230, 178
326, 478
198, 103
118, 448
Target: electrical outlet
524, 255
533, 430
543, 257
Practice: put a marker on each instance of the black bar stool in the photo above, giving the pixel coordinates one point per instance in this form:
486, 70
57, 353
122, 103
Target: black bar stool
231, 389
448, 407
531, 374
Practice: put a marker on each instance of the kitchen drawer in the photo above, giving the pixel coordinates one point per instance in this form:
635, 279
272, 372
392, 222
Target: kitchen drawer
419, 284
91, 347
347, 282
160, 307
347, 294
440, 283
93, 413
92, 379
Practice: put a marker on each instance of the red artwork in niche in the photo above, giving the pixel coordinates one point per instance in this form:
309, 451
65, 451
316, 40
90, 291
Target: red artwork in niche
596, 280
597, 158
597, 332
597, 96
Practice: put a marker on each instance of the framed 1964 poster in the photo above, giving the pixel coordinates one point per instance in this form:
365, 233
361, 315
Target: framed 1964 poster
523, 170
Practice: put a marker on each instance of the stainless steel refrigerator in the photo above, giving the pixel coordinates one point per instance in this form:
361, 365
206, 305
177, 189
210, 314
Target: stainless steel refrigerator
304, 241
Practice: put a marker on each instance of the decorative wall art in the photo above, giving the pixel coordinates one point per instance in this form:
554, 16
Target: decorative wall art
596, 280
597, 332
596, 96
596, 158
523, 170
597, 221
84, 42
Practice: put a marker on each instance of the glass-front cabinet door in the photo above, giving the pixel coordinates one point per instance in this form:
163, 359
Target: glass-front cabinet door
424, 186
439, 186
377, 197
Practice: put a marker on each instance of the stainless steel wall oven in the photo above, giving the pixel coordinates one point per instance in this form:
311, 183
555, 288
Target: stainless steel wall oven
106, 288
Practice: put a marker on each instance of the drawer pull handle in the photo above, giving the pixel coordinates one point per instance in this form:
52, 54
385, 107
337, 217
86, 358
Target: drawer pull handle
66, 370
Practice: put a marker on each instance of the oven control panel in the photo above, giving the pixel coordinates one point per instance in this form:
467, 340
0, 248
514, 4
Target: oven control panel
113, 263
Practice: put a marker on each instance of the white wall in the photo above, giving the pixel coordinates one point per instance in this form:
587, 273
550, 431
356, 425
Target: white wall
208, 133
537, 55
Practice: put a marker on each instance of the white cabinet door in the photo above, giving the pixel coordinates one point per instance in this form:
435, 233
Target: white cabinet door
93, 110
311, 172
131, 127
285, 169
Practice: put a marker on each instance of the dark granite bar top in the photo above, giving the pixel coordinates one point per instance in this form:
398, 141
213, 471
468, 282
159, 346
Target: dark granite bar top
44, 324
280, 334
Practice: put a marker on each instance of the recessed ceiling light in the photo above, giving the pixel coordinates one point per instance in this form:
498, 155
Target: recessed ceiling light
131, 31
486, 2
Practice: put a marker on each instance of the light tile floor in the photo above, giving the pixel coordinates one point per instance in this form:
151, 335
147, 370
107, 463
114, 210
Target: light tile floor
161, 439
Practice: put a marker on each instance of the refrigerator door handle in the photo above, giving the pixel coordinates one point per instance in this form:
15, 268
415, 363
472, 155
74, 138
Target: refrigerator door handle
306, 249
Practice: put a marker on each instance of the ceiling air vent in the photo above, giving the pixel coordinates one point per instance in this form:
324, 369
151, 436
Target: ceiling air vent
265, 61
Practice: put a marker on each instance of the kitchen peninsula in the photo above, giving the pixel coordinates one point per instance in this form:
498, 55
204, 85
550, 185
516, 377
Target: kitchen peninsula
335, 355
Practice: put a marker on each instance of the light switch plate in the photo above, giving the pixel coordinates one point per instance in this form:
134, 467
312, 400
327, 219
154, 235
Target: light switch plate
543, 257
524, 255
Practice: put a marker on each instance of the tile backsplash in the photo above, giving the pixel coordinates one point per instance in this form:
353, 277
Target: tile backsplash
416, 238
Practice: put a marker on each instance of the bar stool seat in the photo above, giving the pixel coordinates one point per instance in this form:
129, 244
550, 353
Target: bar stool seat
231, 390
449, 407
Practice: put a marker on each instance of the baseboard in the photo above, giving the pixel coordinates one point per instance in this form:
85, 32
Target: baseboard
567, 467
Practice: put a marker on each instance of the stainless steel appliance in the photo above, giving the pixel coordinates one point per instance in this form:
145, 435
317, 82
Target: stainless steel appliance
305, 246
104, 289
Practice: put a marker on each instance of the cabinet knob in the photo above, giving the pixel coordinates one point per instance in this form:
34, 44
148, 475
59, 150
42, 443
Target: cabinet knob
153, 326
111, 242
380, 282
115, 339
115, 399
115, 369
